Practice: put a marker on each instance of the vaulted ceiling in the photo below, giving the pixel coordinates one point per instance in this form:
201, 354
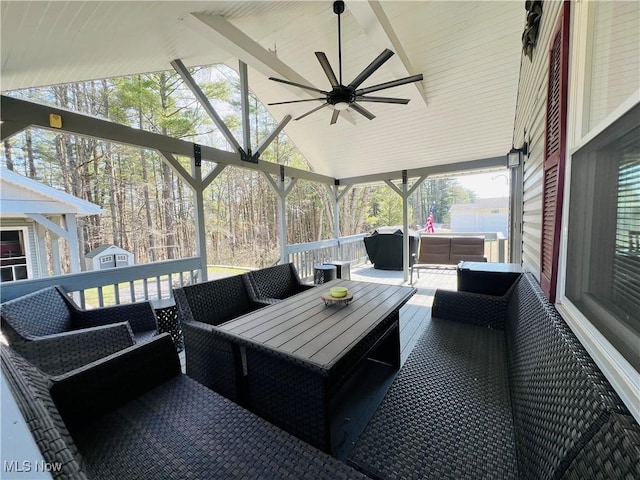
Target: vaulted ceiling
468, 52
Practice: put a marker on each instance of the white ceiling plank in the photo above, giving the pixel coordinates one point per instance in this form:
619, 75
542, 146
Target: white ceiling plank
375, 24
237, 43
468, 52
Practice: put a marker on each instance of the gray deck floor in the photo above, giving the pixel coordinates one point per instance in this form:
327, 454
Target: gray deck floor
373, 381
418, 309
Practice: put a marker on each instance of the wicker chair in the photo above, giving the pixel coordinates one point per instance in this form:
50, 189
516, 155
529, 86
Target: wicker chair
133, 415
50, 331
201, 306
273, 284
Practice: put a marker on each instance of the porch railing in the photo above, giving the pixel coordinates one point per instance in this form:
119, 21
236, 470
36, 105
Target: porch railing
151, 281
155, 281
306, 255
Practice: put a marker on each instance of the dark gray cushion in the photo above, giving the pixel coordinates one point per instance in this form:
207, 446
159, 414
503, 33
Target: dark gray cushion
38, 314
613, 452
448, 412
182, 430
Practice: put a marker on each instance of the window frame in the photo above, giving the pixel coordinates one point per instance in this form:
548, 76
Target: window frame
26, 246
106, 259
622, 376
596, 173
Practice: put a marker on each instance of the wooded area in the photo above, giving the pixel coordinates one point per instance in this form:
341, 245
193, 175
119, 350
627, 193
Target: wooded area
150, 212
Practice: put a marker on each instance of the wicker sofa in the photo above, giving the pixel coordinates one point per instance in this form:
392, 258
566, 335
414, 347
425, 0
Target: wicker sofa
437, 250
500, 388
133, 415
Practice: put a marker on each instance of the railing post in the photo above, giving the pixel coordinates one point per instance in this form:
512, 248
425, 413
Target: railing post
405, 227
282, 217
201, 237
336, 218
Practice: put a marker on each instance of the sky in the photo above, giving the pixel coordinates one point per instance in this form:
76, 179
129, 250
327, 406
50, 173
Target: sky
487, 185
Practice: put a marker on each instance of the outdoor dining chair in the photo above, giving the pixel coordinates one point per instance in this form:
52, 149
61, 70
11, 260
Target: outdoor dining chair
201, 307
273, 284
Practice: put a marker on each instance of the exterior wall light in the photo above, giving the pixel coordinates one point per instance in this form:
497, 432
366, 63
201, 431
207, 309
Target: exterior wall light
515, 155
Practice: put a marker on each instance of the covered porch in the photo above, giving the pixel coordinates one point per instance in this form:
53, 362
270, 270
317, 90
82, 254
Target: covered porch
485, 94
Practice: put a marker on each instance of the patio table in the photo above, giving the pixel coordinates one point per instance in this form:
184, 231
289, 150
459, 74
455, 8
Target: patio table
298, 354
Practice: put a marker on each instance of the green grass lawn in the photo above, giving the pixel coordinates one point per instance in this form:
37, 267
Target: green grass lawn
108, 291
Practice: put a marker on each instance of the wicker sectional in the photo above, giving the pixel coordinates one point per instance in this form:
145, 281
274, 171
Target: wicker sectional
499, 388
133, 415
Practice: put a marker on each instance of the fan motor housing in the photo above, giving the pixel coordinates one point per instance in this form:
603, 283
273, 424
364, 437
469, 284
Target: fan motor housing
340, 94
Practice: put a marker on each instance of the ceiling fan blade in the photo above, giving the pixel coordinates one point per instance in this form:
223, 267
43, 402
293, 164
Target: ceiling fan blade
373, 66
298, 101
362, 111
311, 111
334, 117
362, 98
326, 66
306, 87
393, 83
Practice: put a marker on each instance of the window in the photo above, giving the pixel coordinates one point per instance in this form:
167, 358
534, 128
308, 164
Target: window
106, 259
603, 248
121, 258
13, 258
615, 69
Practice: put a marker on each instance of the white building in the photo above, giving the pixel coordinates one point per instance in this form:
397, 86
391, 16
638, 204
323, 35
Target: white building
108, 256
30, 210
484, 215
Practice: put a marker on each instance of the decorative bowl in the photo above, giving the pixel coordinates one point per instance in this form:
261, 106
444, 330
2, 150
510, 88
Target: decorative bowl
338, 292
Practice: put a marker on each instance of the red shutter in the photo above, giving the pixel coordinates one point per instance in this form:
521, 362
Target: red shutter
554, 155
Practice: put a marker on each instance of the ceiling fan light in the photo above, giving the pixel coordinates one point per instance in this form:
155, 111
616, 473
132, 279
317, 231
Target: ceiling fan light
341, 106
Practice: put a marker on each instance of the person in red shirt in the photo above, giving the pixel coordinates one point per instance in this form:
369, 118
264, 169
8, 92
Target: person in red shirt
429, 228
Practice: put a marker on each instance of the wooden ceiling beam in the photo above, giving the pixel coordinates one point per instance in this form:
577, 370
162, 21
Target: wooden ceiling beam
377, 27
226, 35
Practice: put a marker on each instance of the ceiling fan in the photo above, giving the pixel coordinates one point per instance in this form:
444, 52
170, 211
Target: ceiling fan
350, 96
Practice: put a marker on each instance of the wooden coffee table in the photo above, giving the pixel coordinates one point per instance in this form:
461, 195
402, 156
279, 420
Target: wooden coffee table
297, 354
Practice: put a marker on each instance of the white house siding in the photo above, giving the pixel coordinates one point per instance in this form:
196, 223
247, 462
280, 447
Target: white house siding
481, 220
530, 118
604, 76
34, 264
614, 64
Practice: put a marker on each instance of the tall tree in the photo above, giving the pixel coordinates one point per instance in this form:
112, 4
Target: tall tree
8, 159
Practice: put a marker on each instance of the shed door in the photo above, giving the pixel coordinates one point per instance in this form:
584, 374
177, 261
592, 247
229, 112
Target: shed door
107, 261
122, 260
